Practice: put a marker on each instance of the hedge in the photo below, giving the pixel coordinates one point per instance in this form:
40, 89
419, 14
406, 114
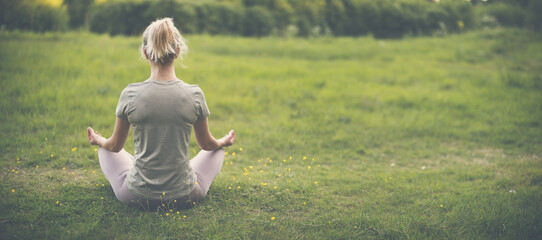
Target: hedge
382, 18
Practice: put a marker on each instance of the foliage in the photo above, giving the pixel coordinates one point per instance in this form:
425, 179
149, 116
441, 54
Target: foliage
534, 18
258, 22
421, 138
305, 18
78, 10
30, 15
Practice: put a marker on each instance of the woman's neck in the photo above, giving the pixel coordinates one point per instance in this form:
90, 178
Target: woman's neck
163, 73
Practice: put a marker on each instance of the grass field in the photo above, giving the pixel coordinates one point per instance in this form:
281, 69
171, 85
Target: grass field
338, 138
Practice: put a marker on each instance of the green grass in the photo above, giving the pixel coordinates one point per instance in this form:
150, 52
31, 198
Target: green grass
437, 138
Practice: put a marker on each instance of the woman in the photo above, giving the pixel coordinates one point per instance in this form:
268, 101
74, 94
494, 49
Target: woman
162, 111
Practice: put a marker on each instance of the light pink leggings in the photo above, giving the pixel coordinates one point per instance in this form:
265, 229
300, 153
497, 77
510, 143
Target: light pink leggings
115, 166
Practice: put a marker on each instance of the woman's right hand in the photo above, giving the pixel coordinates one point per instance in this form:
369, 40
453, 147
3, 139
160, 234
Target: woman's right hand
228, 139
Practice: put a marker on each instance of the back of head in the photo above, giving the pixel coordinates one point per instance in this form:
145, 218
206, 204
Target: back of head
162, 42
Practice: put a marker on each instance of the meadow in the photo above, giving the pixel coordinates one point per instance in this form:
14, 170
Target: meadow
337, 138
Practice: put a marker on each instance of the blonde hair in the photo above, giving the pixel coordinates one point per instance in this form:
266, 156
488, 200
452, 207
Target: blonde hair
162, 42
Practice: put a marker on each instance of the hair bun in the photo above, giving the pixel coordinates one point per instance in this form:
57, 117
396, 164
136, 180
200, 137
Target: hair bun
162, 42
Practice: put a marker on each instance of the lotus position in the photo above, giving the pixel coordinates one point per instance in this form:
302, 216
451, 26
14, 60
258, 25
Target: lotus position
162, 111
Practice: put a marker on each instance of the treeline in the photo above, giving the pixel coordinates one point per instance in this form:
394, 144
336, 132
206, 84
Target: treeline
382, 18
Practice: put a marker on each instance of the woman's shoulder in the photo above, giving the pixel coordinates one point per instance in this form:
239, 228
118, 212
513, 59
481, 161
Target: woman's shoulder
192, 88
133, 89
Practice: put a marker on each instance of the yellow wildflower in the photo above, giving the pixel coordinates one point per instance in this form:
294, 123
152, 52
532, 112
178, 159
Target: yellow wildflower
229, 188
52, 155
167, 214
95, 149
304, 157
284, 160
93, 171
102, 198
261, 171
226, 153
63, 168
233, 153
240, 149
184, 216
37, 166
290, 157
73, 149
12, 190
315, 182
264, 184
308, 167
272, 218
441, 205
238, 187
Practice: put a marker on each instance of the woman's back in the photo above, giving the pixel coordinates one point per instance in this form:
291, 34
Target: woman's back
162, 115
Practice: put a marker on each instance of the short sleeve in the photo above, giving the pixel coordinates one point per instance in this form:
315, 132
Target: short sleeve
123, 105
202, 111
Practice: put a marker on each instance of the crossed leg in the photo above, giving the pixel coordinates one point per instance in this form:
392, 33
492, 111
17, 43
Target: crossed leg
206, 165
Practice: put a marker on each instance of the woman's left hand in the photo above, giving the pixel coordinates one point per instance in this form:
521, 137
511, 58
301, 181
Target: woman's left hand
94, 137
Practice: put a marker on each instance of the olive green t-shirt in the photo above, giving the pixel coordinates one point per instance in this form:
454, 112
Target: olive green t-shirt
161, 115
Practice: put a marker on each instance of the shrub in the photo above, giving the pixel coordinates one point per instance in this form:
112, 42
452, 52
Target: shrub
78, 10
534, 16
184, 14
258, 22
127, 18
28, 15
506, 14
219, 18
336, 17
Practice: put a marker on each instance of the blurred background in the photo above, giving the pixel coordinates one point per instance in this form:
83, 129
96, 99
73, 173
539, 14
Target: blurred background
303, 18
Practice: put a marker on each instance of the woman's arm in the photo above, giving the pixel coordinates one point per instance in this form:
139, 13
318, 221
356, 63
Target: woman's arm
205, 139
116, 142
